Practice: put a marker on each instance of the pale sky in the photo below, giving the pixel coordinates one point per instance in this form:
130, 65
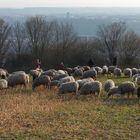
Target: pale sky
68, 3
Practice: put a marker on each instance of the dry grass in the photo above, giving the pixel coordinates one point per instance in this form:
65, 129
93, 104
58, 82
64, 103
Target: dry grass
41, 115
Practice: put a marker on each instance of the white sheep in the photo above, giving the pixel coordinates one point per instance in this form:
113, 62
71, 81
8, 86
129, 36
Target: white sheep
68, 88
3, 73
18, 79
3, 84
127, 72
91, 87
35, 73
105, 70
99, 70
59, 76
81, 82
66, 79
108, 85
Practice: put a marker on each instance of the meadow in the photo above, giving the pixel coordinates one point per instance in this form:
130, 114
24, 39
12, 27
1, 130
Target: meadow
42, 115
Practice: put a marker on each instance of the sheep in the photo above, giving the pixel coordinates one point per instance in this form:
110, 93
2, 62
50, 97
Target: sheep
137, 80
104, 70
35, 73
90, 87
138, 92
86, 68
18, 79
78, 72
69, 70
112, 91
50, 72
41, 80
111, 69
108, 85
66, 79
90, 73
99, 70
126, 87
61, 72
134, 71
3, 73
134, 77
54, 83
117, 72
3, 84
127, 72
83, 81
68, 88
59, 76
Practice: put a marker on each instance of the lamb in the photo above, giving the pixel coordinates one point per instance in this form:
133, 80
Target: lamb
18, 79
3, 84
42, 80
66, 79
90, 73
81, 82
117, 72
91, 87
68, 88
127, 72
126, 87
108, 85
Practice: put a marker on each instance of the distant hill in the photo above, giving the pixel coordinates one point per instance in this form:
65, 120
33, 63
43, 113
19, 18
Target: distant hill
84, 20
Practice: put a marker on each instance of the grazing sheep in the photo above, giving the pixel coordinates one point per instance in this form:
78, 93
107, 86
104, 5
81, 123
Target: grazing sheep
138, 92
35, 73
134, 77
59, 76
83, 81
3, 73
68, 88
91, 87
134, 71
3, 84
117, 72
108, 85
42, 80
90, 73
78, 72
104, 70
113, 91
69, 70
111, 69
18, 79
126, 87
99, 70
127, 72
61, 72
66, 79
138, 80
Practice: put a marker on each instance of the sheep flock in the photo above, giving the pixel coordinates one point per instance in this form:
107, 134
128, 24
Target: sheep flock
80, 80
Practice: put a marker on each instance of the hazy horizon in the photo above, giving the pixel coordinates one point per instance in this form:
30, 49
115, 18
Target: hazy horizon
68, 3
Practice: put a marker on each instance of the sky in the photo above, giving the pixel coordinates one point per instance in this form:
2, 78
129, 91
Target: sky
68, 3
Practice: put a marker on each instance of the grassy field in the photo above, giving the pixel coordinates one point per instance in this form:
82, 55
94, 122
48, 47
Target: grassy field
41, 115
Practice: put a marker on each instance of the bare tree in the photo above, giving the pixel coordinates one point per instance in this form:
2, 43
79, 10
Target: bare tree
129, 50
110, 37
4, 42
39, 34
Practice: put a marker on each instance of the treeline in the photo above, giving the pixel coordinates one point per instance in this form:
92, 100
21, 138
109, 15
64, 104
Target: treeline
53, 42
